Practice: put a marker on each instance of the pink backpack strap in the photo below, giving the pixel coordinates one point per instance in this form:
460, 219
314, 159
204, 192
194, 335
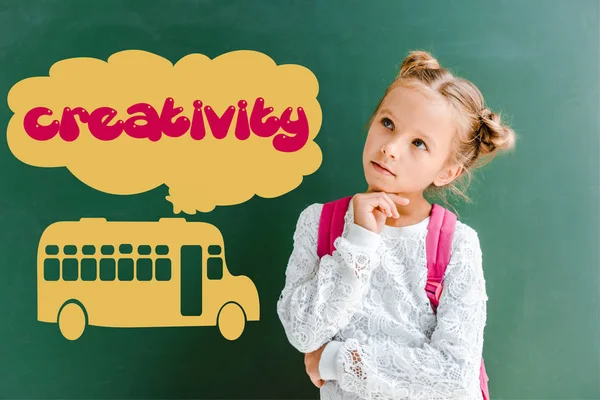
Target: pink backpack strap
439, 247
483, 381
331, 224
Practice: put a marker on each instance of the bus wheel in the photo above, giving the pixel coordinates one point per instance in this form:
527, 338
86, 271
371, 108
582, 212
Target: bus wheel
231, 321
71, 321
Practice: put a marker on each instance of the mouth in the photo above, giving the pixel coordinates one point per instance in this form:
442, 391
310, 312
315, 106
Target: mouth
381, 169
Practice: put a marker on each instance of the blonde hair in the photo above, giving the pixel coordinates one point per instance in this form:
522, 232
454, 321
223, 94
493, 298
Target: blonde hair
480, 133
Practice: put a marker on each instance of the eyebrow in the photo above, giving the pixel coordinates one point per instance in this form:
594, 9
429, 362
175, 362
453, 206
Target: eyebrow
419, 132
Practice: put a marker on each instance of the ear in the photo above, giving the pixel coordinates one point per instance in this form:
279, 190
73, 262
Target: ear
447, 175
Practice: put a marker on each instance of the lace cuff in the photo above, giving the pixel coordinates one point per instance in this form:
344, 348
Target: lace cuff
359, 236
328, 364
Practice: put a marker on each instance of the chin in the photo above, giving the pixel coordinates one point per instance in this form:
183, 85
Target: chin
379, 185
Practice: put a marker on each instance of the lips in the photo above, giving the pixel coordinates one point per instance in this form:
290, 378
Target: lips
381, 169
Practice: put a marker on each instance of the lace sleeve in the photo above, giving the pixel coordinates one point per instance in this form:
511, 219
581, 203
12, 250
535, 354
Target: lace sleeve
319, 295
445, 367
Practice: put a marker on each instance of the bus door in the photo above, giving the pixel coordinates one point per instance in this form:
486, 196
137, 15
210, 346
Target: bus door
191, 280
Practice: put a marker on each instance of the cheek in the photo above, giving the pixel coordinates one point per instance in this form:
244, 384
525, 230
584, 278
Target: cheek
370, 144
425, 164
420, 168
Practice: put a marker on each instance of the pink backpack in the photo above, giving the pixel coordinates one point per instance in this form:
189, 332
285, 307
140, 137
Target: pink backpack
438, 247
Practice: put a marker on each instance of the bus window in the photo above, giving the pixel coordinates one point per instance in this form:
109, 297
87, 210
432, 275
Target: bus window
70, 250
143, 269
214, 268
88, 269
107, 250
88, 250
107, 269
51, 269
163, 269
70, 269
214, 250
162, 250
125, 249
144, 249
125, 269
52, 250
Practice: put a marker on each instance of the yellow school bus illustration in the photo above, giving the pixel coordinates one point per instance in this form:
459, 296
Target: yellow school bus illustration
140, 274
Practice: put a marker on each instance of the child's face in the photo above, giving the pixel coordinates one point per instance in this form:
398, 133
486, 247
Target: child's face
411, 135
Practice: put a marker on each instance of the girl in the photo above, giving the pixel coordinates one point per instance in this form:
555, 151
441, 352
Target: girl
361, 315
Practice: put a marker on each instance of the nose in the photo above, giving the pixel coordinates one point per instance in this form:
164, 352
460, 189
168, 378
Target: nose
390, 149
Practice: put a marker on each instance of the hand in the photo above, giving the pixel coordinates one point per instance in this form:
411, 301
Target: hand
311, 361
372, 209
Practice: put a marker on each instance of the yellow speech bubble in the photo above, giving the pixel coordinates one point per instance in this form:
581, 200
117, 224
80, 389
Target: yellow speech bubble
216, 132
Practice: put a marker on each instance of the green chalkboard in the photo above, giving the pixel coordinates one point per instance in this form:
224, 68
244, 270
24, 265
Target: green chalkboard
536, 210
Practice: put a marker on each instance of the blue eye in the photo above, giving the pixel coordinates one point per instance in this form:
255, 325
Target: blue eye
421, 143
385, 121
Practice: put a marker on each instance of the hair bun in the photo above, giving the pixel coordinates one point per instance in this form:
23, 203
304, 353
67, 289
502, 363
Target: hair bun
417, 62
486, 113
493, 134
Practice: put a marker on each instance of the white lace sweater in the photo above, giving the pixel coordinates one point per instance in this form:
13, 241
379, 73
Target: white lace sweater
368, 302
